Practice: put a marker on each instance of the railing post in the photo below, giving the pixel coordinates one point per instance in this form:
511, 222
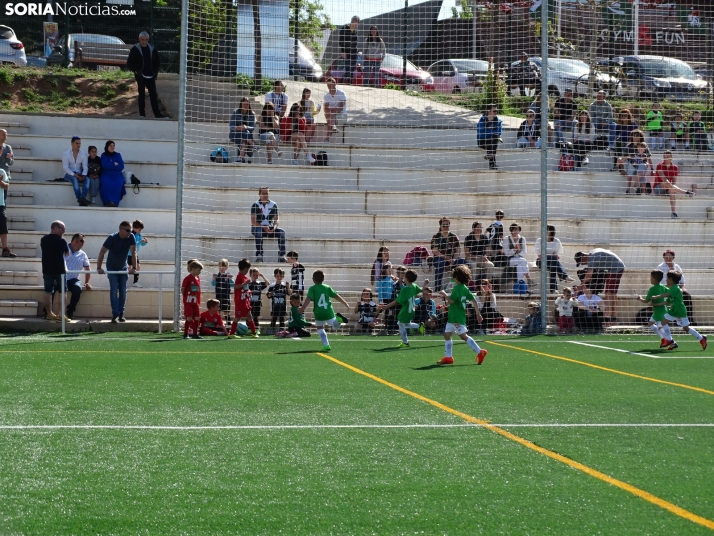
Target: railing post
63, 282
161, 301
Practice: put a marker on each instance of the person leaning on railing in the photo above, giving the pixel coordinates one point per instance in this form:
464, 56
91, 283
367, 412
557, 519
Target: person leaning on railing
118, 245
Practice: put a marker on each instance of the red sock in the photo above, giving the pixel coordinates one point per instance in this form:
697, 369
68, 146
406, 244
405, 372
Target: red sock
234, 326
251, 325
194, 325
186, 326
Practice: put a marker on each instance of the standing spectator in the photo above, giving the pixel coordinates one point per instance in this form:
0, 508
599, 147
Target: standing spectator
74, 164
278, 98
144, 61
54, 251
525, 75
445, 247
583, 139
269, 130
7, 159
621, 137
335, 107
118, 245
603, 120
554, 249
488, 134
111, 189
94, 173
476, 247
564, 115
298, 128
4, 185
241, 127
603, 261
311, 110
347, 42
76, 261
528, 135
264, 219
374, 52
516, 249
669, 264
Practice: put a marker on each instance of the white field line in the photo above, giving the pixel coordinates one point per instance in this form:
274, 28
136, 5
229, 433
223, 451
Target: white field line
651, 356
44, 427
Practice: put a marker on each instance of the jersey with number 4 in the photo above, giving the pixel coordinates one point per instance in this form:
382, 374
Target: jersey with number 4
407, 296
460, 295
320, 296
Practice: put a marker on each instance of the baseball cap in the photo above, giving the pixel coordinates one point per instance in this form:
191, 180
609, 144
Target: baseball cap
579, 258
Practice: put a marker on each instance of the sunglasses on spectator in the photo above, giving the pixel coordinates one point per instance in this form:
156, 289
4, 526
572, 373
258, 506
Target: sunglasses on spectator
126, 229
446, 225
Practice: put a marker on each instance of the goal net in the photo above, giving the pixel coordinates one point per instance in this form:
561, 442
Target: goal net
436, 117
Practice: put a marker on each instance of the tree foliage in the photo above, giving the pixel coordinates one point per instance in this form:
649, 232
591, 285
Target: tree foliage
463, 10
311, 23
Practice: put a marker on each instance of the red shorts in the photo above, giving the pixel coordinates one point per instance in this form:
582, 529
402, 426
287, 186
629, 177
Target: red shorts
612, 283
243, 308
191, 310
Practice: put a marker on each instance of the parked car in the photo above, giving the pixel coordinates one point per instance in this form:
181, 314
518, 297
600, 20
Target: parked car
114, 56
659, 77
306, 65
571, 74
390, 73
458, 75
11, 48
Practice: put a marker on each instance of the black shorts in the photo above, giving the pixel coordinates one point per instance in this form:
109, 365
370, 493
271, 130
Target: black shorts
3, 220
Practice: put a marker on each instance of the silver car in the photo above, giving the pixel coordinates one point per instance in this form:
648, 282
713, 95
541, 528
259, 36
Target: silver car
11, 48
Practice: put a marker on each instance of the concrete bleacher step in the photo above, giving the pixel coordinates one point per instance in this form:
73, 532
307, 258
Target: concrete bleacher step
46, 169
62, 194
18, 277
19, 197
23, 249
18, 307
19, 223
15, 127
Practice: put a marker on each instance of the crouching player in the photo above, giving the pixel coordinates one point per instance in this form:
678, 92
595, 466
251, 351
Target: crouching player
296, 321
242, 299
460, 295
211, 322
320, 294
658, 308
677, 311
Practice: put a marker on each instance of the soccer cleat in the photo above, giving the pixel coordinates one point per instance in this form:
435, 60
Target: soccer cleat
186, 336
673, 346
421, 328
232, 336
341, 318
196, 336
255, 335
481, 356
703, 342
326, 348
445, 361
664, 343
403, 345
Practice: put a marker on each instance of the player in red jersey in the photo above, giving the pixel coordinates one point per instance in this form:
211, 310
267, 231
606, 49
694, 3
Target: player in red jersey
242, 299
211, 322
191, 293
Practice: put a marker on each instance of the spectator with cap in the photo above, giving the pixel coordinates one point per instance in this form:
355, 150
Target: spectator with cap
348, 44
668, 264
278, 98
74, 164
601, 261
564, 115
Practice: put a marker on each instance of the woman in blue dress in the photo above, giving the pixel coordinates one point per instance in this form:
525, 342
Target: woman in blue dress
111, 189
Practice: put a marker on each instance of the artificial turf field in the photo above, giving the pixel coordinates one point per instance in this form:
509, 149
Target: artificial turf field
151, 434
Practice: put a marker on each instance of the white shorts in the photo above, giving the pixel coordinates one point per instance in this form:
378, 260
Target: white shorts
652, 319
682, 322
330, 322
460, 329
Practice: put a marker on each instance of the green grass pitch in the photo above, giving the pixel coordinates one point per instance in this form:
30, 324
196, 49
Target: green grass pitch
151, 434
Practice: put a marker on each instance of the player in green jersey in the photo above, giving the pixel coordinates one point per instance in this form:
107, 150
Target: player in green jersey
460, 295
654, 120
677, 311
320, 294
658, 307
405, 299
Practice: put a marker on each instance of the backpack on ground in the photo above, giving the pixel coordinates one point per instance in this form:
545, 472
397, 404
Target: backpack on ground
416, 256
219, 155
567, 162
320, 158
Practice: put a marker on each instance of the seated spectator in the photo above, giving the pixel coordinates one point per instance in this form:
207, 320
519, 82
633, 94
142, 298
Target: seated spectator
514, 247
537, 107
583, 139
94, 173
638, 167
278, 98
679, 131
669, 264
528, 135
269, 130
524, 75
621, 136
74, 164
564, 115
297, 134
335, 107
589, 313
445, 248
111, 189
310, 110
665, 182
476, 251
533, 323
698, 133
603, 120
367, 310
488, 134
241, 127
385, 284
554, 249
264, 219
76, 261
382, 258
425, 309
486, 301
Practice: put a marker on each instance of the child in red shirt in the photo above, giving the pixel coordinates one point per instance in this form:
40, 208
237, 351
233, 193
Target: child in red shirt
191, 293
242, 299
211, 322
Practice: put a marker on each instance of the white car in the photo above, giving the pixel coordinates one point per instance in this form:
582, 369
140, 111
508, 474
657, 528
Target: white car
11, 48
458, 76
570, 74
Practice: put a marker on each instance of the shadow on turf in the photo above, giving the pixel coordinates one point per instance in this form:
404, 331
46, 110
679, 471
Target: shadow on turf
437, 366
395, 349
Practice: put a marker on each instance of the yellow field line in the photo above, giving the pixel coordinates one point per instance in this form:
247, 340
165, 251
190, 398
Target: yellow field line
670, 507
606, 369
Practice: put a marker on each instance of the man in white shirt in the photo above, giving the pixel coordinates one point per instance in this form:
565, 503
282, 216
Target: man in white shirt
335, 107
669, 264
279, 98
76, 261
74, 164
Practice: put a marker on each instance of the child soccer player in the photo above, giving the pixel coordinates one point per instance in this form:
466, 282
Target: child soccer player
136, 229
256, 290
223, 281
367, 310
406, 297
277, 294
565, 305
191, 292
297, 322
323, 311
698, 132
460, 294
677, 311
297, 273
678, 132
655, 119
211, 322
425, 309
658, 308
242, 299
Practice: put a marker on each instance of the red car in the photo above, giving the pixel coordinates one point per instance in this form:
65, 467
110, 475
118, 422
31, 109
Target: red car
389, 73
